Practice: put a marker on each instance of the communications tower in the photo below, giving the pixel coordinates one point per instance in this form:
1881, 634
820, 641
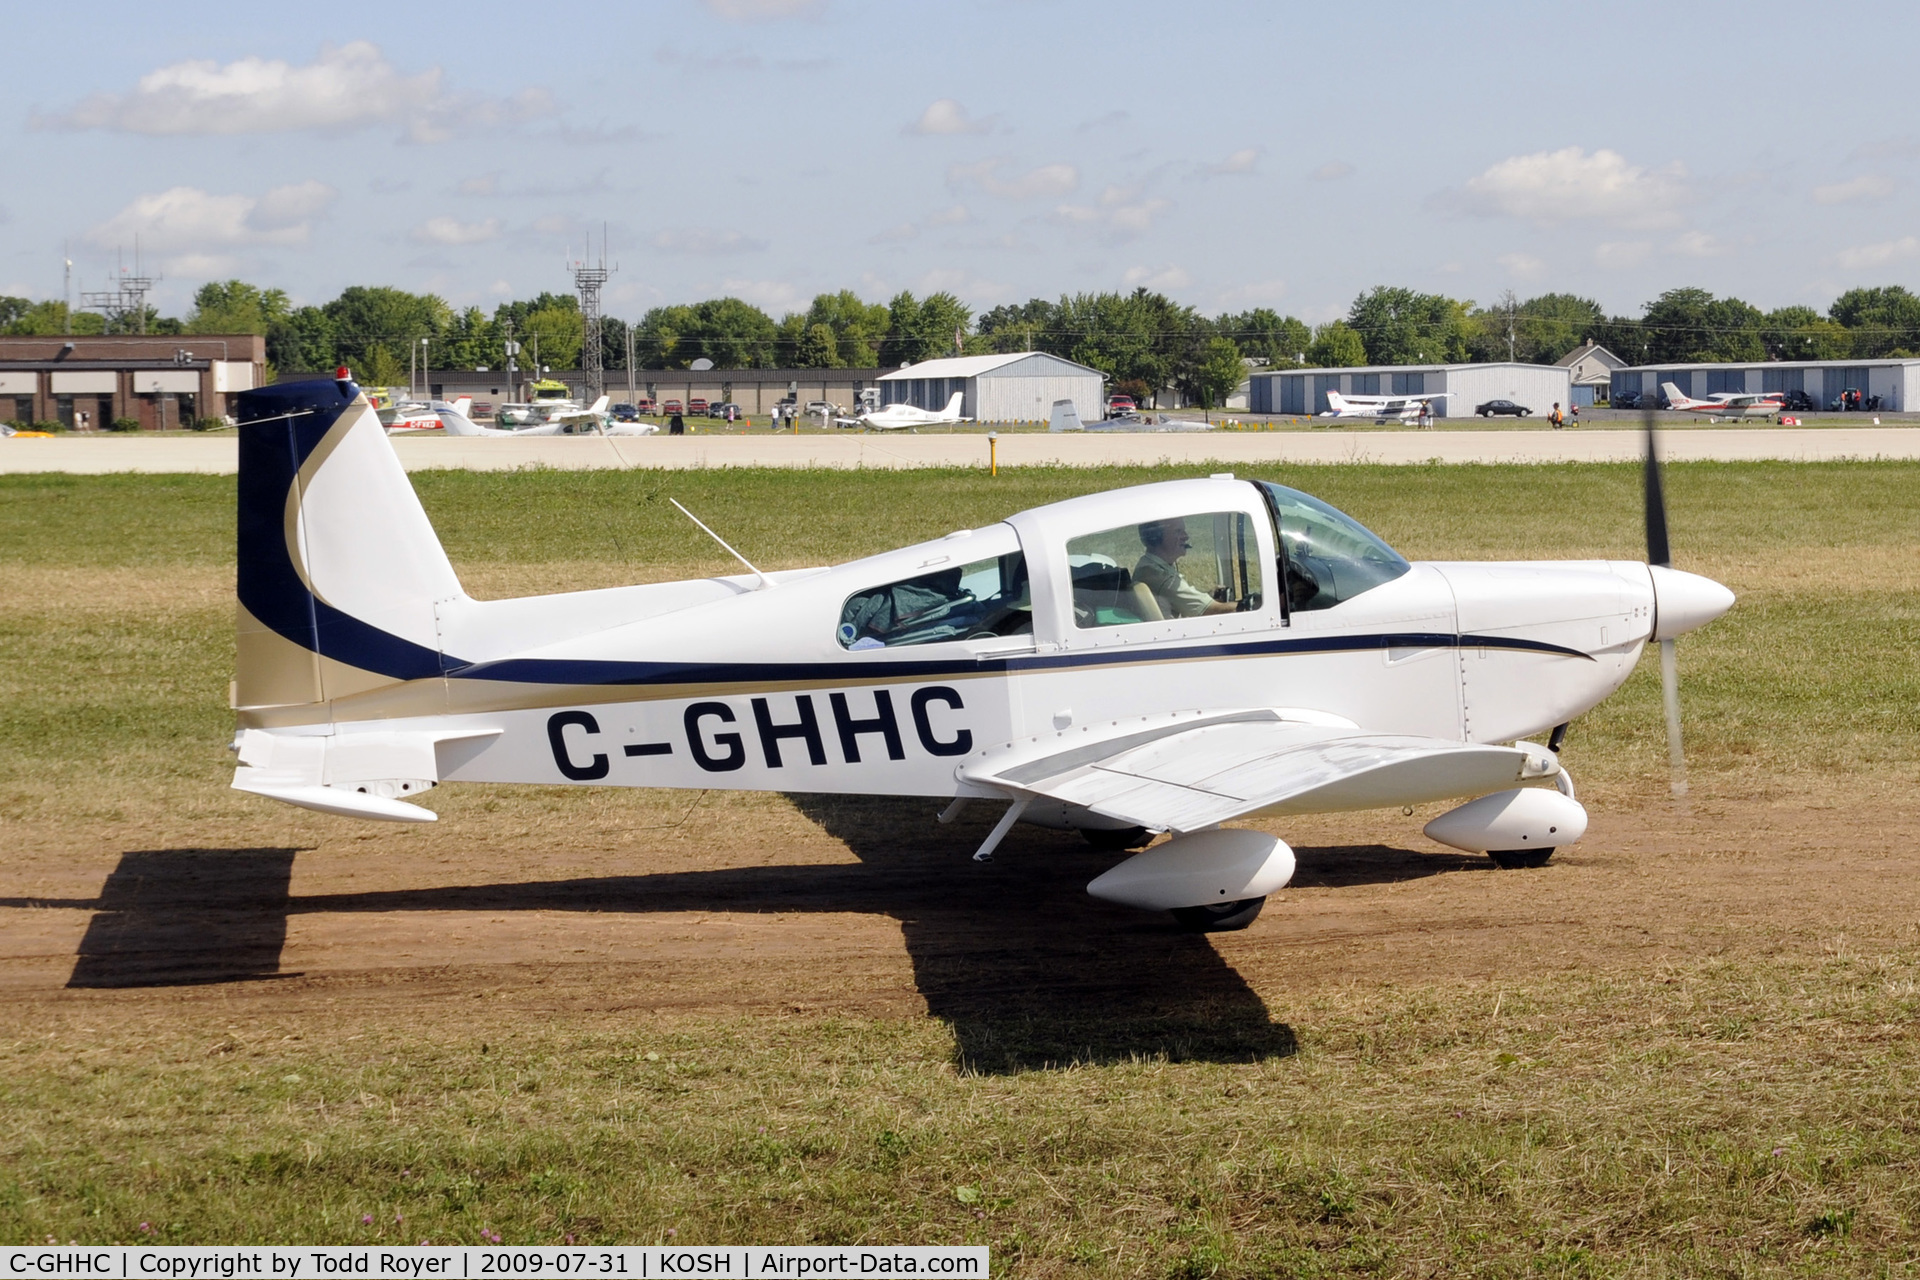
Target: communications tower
588, 279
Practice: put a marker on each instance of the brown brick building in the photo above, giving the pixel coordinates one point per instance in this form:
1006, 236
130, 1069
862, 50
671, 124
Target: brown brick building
161, 381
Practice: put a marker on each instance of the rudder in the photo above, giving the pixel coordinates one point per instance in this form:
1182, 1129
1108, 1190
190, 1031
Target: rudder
339, 572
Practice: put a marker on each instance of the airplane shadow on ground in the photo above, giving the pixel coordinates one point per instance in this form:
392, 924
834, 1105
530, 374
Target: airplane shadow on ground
1027, 969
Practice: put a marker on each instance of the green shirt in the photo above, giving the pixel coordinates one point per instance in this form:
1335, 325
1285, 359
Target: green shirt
1178, 598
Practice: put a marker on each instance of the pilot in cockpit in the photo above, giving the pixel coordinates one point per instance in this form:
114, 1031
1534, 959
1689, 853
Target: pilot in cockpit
1165, 542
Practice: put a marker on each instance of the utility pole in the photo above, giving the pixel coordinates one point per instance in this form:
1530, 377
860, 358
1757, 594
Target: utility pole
66, 284
512, 349
588, 281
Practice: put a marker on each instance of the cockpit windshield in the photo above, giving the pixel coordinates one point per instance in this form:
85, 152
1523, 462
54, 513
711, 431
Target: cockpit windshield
1328, 556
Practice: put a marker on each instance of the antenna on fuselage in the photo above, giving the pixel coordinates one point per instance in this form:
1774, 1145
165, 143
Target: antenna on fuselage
764, 580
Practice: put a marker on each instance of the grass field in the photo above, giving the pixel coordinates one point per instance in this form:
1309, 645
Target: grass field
1737, 1099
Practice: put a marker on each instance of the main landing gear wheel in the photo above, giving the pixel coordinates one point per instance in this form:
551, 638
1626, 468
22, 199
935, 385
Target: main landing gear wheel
1222, 918
1114, 839
1519, 859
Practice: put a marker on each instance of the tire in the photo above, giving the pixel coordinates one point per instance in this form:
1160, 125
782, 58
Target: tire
1519, 859
1224, 918
1115, 839
1524, 413
1486, 413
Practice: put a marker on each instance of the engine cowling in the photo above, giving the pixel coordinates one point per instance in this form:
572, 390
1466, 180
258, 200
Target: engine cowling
1525, 818
1201, 869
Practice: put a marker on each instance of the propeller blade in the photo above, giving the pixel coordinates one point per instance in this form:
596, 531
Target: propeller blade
1658, 552
1670, 694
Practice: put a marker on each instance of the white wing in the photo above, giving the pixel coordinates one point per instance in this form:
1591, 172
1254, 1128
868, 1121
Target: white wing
1185, 773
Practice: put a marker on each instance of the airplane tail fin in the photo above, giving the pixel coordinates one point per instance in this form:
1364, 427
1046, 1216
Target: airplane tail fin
1065, 417
1672, 393
600, 405
453, 417
953, 405
340, 575
1336, 401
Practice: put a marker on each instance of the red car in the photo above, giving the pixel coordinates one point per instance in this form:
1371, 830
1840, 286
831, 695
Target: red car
697, 408
644, 406
670, 408
1117, 405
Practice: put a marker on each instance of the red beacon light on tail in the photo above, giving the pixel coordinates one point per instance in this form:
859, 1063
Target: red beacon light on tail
343, 378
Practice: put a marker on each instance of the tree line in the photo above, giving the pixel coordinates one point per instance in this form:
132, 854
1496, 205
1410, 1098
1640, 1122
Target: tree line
1143, 340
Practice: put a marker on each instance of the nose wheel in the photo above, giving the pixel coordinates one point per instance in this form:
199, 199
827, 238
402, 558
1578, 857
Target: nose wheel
1222, 917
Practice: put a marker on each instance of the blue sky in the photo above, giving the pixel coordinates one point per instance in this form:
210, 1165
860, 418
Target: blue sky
1231, 154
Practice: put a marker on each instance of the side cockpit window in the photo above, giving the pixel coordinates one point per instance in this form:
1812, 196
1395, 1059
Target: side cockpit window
1327, 555
965, 602
1180, 567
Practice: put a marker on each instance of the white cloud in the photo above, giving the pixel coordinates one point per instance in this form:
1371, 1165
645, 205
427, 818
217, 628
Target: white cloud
1331, 171
451, 231
1616, 254
1255, 294
187, 219
952, 216
1161, 279
346, 87
946, 116
1870, 186
764, 10
1522, 265
769, 295
962, 284
1241, 161
484, 185
1569, 184
1901, 148
1700, 244
706, 242
1047, 180
1879, 255
1121, 211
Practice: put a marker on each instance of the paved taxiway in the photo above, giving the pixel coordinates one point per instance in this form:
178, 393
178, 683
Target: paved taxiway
218, 454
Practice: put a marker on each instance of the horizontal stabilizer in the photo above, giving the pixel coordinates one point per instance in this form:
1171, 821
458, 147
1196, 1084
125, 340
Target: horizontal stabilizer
347, 804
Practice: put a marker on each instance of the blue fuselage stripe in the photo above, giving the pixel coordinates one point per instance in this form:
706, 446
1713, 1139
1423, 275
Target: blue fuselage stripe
856, 671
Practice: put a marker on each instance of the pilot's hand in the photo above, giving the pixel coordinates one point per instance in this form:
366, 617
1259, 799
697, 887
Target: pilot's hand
1249, 605
1220, 593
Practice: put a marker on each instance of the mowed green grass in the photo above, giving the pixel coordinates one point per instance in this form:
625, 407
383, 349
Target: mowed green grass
1716, 1117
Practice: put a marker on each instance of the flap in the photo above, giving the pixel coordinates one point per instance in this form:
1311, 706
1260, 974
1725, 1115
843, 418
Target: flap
1199, 771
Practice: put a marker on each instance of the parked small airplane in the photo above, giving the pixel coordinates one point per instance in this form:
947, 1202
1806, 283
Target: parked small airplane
1380, 408
1167, 657
899, 417
411, 417
589, 421
1727, 404
1066, 417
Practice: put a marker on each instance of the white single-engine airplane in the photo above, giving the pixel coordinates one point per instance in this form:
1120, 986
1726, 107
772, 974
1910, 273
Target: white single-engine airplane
1380, 408
1066, 417
1727, 404
1164, 658
589, 421
899, 417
